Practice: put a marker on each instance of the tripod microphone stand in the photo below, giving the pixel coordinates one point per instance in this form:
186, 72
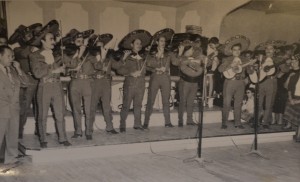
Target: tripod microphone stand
256, 115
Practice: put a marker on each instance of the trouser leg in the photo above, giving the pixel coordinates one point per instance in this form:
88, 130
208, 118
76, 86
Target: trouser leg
137, 101
128, 92
3, 125
11, 137
193, 87
227, 96
182, 101
87, 101
238, 99
58, 108
44, 96
270, 92
106, 107
153, 89
76, 97
165, 94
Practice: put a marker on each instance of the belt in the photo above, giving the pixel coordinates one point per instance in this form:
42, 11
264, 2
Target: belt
50, 80
29, 73
101, 76
81, 77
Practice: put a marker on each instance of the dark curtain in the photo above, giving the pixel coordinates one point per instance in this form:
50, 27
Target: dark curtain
3, 23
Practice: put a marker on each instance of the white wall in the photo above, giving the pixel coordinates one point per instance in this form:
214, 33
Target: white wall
260, 27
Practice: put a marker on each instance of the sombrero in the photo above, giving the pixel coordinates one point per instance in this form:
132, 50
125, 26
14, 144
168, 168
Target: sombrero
104, 38
74, 34
35, 28
17, 35
51, 27
143, 35
274, 43
194, 29
167, 33
238, 39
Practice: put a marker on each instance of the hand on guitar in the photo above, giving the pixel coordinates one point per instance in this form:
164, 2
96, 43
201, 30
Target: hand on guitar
180, 50
126, 54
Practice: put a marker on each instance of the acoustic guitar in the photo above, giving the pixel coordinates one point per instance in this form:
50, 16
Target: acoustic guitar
232, 71
191, 68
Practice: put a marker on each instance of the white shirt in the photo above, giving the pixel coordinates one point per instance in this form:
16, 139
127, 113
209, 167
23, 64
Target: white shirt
48, 54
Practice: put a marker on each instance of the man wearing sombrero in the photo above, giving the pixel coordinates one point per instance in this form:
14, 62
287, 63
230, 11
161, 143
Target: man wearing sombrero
28, 94
47, 69
234, 87
134, 71
81, 85
268, 84
102, 83
160, 62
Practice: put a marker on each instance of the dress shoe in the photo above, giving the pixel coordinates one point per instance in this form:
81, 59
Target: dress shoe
139, 128
113, 131
191, 124
122, 130
169, 125
89, 137
43, 144
76, 136
65, 143
180, 125
240, 127
224, 126
145, 126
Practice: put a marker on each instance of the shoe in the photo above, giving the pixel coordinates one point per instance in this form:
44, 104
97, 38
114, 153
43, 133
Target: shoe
191, 124
139, 128
145, 126
113, 131
169, 125
89, 137
76, 136
65, 143
266, 126
43, 144
122, 130
240, 127
287, 127
180, 125
224, 126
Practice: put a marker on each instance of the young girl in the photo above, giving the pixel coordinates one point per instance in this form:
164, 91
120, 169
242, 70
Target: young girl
248, 105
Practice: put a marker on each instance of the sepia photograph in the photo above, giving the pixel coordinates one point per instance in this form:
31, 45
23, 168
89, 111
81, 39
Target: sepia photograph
150, 90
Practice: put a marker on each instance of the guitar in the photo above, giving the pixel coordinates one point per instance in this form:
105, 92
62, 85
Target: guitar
191, 68
232, 71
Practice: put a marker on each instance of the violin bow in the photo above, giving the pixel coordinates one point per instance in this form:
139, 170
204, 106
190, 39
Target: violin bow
147, 55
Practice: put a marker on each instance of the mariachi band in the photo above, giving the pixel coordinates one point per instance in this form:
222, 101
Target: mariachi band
44, 57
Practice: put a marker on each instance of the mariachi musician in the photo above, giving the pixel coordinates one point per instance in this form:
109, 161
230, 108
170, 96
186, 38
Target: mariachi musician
160, 62
270, 64
103, 65
81, 85
190, 75
27, 94
233, 69
47, 69
134, 70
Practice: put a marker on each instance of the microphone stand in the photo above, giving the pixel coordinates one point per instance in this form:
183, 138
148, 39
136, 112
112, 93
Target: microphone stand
200, 159
255, 150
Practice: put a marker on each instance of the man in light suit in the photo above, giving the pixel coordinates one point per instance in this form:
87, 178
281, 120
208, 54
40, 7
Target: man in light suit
11, 77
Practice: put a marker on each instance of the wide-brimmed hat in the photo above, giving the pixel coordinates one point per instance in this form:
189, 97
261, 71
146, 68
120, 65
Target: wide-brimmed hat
51, 27
104, 38
194, 29
143, 35
17, 35
74, 34
274, 43
167, 33
238, 39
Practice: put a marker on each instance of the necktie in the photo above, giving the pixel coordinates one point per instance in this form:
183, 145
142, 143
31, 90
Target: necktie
8, 73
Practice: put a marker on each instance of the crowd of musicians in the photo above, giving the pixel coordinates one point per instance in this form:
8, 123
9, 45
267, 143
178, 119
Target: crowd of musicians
30, 75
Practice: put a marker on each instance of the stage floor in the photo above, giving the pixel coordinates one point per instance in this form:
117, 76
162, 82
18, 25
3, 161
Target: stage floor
154, 134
